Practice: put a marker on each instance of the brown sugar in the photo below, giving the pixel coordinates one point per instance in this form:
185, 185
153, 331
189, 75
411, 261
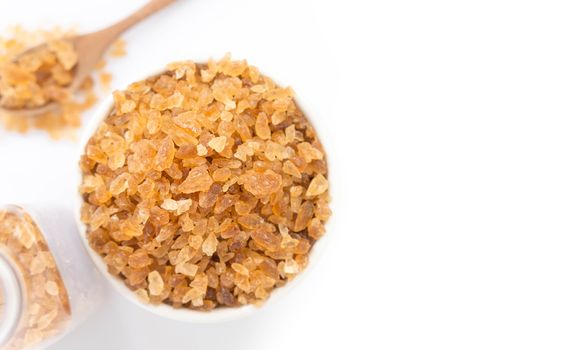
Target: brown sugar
38, 77
206, 186
42, 76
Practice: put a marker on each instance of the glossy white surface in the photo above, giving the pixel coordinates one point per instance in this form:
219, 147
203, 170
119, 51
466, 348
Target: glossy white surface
442, 121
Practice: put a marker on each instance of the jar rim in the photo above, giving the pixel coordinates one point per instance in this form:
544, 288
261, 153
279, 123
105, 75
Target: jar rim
11, 290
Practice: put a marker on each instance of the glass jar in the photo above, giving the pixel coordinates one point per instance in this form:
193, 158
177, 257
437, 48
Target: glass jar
47, 283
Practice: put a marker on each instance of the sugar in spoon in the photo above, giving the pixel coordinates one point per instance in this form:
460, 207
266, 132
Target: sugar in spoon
90, 49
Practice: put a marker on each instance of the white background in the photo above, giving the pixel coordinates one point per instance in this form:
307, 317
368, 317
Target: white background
442, 120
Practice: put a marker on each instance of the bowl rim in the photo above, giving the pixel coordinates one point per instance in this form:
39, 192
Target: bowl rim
165, 310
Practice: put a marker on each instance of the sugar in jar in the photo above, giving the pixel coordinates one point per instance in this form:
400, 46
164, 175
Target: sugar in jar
48, 285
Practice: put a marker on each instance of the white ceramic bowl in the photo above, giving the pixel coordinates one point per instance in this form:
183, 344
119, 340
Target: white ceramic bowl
185, 315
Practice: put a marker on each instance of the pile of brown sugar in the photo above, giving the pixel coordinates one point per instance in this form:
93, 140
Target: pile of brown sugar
206, 186
38, 77
42, 76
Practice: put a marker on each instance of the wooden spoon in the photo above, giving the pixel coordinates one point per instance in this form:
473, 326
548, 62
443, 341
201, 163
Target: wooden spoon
90, 49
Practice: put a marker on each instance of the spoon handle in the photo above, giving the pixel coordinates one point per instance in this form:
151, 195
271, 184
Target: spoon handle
150, 8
